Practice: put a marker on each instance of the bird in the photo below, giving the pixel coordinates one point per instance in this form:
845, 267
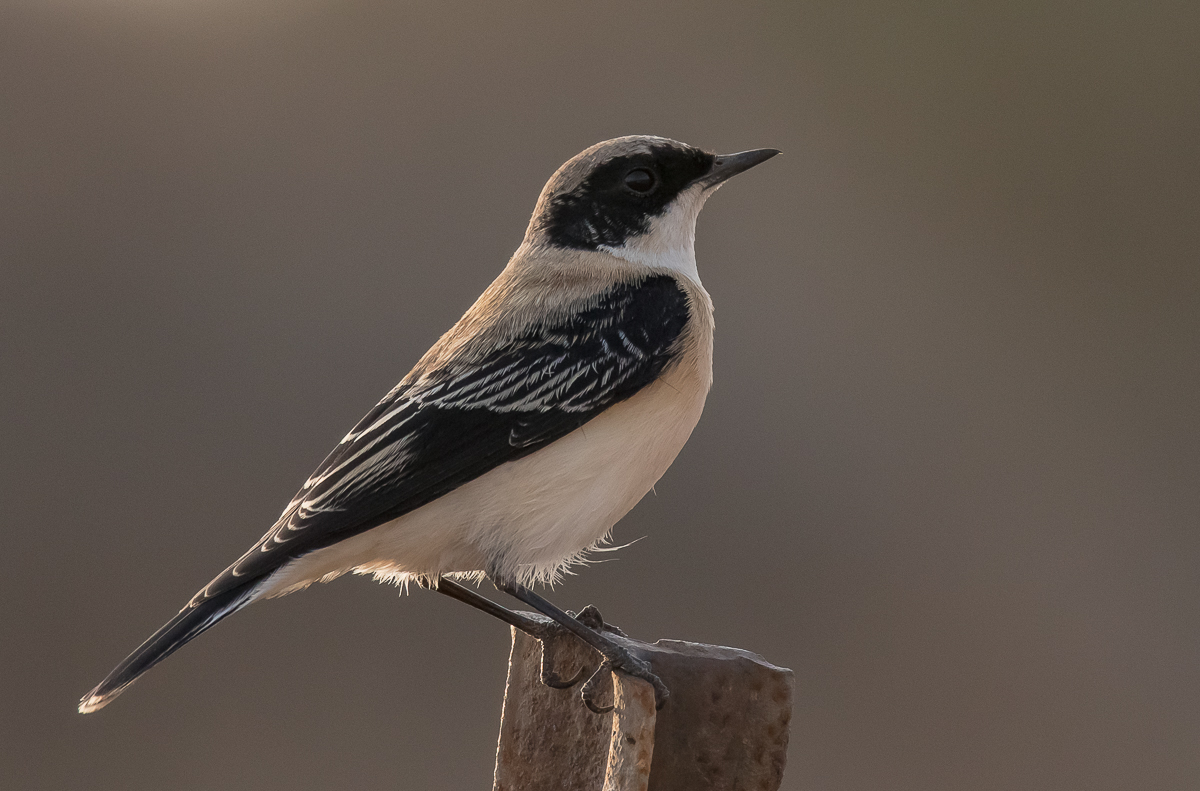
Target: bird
533, 425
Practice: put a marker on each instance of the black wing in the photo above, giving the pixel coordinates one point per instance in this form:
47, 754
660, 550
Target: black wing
419, 444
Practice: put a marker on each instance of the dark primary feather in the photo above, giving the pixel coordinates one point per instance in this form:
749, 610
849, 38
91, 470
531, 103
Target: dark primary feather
422, 442
174, 634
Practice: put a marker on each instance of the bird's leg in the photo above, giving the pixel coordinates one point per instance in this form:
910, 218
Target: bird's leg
616, 657
537, 629
478, 601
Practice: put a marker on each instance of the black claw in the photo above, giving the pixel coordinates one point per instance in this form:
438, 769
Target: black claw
554, 680
630, 666
589, 690
661, 693
546, 635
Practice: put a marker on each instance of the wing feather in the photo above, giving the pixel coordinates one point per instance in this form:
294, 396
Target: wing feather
425, 439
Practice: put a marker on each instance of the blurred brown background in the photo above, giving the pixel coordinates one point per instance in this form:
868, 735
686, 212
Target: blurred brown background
948, 473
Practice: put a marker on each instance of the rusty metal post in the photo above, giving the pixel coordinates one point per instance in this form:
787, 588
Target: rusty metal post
724, 728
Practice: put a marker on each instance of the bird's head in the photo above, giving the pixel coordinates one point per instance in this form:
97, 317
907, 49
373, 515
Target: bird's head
636, 198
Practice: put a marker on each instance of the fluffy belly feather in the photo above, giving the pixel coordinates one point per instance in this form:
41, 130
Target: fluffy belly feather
528, 519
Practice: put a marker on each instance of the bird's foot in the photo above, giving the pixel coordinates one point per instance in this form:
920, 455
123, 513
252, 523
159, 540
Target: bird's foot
590, 628
547, 632
622, 661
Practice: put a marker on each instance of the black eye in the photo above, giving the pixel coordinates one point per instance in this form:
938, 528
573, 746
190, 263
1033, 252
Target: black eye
640, 180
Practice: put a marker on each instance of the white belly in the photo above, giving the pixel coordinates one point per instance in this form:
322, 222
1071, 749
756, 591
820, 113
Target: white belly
528, 519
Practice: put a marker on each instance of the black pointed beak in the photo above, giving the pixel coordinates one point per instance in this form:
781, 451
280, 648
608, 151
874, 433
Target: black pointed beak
726, 166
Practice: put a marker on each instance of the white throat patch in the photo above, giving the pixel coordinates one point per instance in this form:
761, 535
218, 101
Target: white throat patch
671, 241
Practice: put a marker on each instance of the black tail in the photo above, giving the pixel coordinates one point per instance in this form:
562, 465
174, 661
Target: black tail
190, 622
